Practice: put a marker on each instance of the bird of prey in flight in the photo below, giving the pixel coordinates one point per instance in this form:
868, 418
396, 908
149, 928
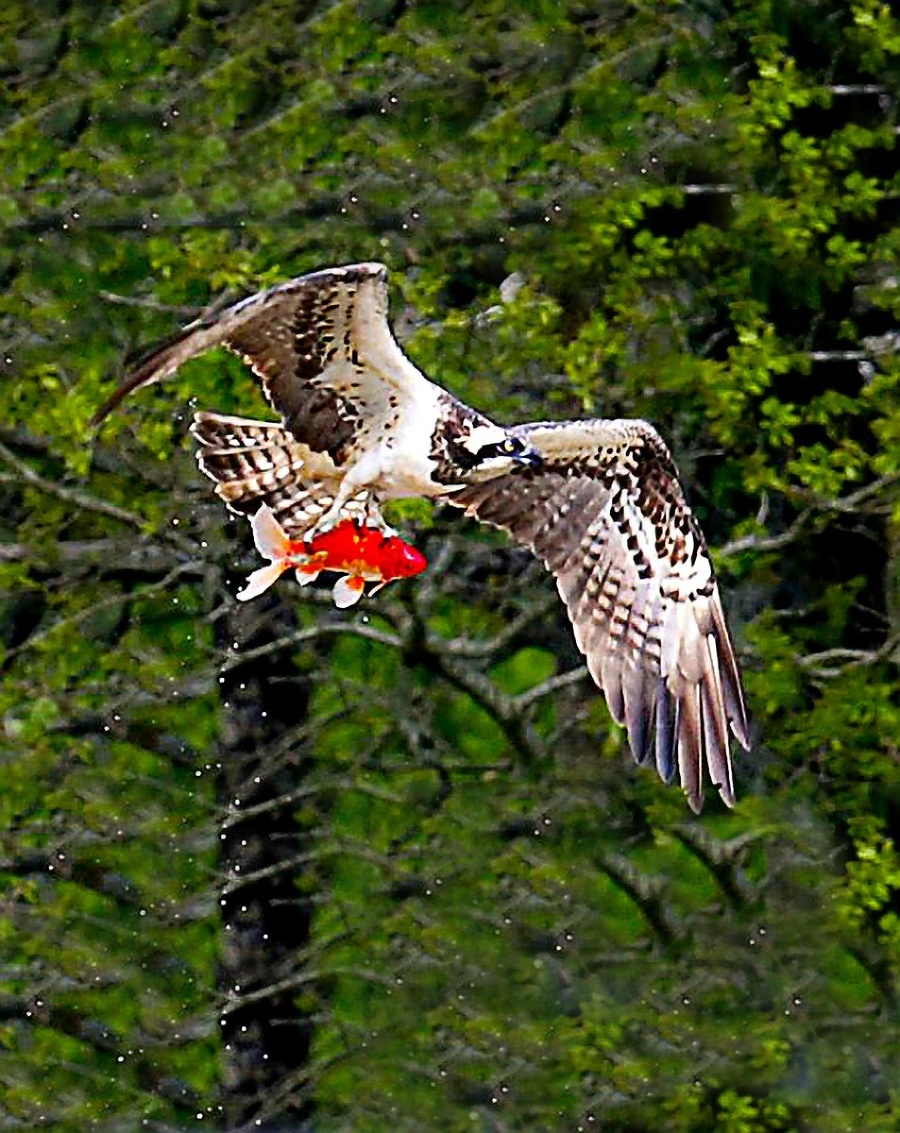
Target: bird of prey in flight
598, 501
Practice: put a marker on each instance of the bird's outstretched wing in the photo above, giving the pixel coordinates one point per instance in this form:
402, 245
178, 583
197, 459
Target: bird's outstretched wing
322, 350
607, 515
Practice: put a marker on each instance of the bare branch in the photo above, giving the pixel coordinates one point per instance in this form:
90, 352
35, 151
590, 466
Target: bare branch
148, 304
550, 685
312, 633
766, 542
84, 501
849, 504
300, 980
493, 646
831, 663
108, 552
70, 495
852, 502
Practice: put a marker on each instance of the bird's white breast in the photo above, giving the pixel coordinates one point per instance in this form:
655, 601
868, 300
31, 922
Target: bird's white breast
396, 453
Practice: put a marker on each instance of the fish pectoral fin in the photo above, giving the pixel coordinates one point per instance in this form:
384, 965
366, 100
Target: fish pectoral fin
268, 534
348, 591
260, 581
306, 575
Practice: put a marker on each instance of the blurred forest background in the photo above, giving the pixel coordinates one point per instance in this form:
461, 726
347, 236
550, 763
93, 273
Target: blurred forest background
290, 868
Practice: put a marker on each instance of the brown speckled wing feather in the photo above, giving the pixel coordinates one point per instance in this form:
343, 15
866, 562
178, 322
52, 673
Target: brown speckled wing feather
607, 515
321, 348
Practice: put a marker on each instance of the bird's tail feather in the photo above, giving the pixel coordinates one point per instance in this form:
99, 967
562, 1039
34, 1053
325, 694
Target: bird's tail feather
259, 462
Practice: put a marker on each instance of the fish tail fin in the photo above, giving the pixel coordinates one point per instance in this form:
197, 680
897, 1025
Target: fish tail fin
348, 591
269, 536
306, 575
260, 581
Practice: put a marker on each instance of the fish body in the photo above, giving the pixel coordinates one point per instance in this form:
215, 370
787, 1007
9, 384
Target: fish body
359, 554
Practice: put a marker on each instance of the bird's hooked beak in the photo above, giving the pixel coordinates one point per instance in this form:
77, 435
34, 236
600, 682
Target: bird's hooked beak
530, 457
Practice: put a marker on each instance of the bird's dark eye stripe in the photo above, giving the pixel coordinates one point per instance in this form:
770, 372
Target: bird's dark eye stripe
502, 448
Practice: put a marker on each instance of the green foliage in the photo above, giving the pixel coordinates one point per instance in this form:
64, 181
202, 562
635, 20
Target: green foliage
512, 928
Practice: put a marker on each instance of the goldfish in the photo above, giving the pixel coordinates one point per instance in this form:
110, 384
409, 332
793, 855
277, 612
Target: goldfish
360, 554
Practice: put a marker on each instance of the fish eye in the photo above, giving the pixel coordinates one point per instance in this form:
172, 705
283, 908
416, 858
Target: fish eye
509, 445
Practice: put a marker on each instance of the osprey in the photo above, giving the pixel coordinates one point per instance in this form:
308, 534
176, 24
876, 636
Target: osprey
598, 500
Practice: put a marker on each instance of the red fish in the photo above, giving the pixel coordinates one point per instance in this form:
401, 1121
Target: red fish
360, 554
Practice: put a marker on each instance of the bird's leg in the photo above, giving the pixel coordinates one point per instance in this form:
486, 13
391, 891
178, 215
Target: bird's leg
362, 502
329, 519
363, 507
352, 483
374, 518
354, 488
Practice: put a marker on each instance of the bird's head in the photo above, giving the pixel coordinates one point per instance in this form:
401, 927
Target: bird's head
491, 451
